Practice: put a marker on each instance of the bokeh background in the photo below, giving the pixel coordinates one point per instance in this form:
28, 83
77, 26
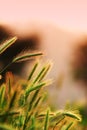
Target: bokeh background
60, 25
64, 13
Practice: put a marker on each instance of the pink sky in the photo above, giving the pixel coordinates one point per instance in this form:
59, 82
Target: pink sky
65, 13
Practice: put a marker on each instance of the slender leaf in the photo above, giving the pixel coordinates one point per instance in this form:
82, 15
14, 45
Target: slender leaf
46, 121
7, 44
68, 127
26, 57
2, 95
33, 70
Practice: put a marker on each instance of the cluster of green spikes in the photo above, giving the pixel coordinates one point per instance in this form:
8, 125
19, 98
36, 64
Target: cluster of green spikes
23, 102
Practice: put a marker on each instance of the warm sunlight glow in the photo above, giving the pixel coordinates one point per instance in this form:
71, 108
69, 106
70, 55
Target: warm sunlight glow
65, 13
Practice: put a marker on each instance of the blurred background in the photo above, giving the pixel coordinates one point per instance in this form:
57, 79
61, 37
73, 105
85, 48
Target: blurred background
60, 27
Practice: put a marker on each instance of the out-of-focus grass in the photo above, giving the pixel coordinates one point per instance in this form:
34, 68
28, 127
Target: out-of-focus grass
22, 103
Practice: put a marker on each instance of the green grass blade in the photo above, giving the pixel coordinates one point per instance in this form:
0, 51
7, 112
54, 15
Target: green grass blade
39, 75
45, 72
36, 87
42, 73
2, 95
37, 102
46, 121
33, 99
25, 56
72, 115
7, 44
68, 127
33, 123
12, 101
32, 72
59, 121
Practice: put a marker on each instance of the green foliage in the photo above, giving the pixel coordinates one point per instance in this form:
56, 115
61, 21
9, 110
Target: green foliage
46, 121
22, 103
